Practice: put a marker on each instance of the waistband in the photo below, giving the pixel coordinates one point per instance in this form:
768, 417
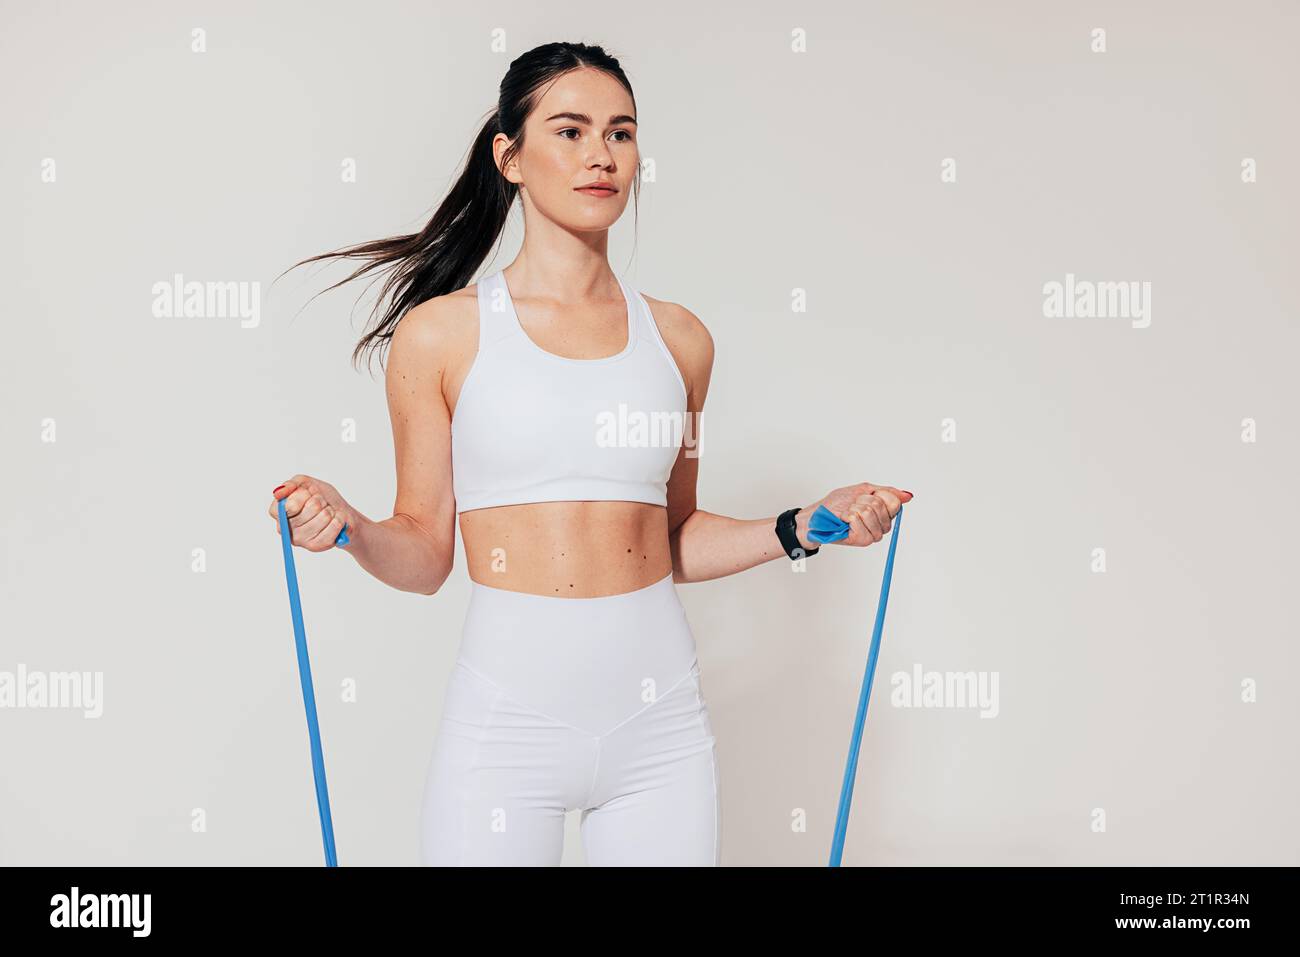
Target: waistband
569, 624
586, 661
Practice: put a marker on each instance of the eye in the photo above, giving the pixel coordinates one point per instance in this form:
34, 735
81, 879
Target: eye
627, 137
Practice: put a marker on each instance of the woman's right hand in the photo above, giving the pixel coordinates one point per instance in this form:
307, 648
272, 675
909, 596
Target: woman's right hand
315, 510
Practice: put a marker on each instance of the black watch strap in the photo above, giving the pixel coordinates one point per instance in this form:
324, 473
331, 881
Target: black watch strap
789, 540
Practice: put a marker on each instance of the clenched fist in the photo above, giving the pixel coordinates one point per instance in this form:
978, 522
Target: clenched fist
316, 512
869, 510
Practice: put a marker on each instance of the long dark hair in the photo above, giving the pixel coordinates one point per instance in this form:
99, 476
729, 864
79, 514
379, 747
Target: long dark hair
444, 255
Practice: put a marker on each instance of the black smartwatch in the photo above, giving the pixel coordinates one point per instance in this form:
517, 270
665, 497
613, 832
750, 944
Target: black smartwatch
789, 540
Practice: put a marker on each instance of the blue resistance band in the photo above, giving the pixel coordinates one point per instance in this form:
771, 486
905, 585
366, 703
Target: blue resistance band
308, 695
825, 526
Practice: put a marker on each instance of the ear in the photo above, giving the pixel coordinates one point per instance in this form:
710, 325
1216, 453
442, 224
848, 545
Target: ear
500, 143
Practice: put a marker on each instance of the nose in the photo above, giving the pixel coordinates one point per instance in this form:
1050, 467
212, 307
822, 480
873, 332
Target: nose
601, 156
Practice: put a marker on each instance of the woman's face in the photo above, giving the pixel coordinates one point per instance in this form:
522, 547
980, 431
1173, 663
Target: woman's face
583, 130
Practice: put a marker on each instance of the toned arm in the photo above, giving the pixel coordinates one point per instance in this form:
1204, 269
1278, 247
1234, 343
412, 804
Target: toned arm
706, 545
414, 550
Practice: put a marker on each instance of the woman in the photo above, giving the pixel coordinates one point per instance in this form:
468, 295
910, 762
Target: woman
526, 403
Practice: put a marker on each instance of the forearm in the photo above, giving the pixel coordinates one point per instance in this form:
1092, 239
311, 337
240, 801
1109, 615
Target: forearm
707, 546
401, 553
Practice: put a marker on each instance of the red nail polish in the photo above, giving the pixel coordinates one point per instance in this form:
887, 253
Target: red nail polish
905, 490
277, 488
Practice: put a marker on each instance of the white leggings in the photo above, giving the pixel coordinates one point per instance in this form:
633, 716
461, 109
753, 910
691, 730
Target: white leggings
557, 704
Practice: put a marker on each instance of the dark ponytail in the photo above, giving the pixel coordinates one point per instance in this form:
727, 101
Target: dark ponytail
445, 254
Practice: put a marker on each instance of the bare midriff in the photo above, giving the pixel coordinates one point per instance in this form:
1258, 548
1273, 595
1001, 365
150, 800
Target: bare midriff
567, 549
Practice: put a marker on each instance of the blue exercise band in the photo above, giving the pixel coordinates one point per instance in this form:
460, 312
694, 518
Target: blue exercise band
308, 695
851, 769
825, 526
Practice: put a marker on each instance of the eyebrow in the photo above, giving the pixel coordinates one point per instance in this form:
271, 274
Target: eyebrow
584, 118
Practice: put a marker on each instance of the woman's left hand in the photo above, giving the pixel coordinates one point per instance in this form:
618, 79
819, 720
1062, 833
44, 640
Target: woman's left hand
869, 509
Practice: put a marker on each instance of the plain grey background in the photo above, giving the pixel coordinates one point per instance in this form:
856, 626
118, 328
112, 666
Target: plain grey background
797, 151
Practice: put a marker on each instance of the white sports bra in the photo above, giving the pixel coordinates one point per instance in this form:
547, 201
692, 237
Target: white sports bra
532, 426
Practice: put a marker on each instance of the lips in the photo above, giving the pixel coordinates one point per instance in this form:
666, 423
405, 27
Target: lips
603, 187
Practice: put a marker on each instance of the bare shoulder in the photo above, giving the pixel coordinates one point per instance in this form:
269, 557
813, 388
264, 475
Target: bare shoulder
438, 323
687, 338
435, 339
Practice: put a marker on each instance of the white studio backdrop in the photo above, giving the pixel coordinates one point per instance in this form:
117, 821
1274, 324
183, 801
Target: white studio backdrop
1091, 636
